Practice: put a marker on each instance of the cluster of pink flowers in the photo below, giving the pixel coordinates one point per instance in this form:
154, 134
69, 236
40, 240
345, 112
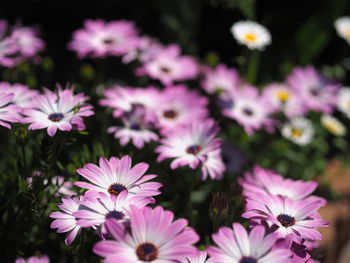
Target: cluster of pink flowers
61, 109
18, 44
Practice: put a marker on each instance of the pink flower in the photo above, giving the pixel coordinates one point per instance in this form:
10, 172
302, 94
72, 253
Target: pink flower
200, 257
289, 217
95, 211
168, 66
193, 145
116, 175
65, 221
316, 92
8, 47
249, 109
153, 237
8, 112
42, 259
221, 80
22, 94
99, 38
236, 246
61, 110
29, 44
180, 106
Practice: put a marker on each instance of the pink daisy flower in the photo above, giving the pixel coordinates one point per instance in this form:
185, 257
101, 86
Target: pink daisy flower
95, 211
42, 259
22, 94
249, 109
193, 145
116, 175
289, 217
282, 98
65, 221
316, 92
61, 110
236, 246
168, 66
99, 38
137, 127
29, 44
180, 106
221, 80
153, 237
8, 47
8, 112
200, 257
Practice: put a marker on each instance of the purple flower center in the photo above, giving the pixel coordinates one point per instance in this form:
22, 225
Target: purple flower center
315, 91
170, 114
135, 126
147, 252
248, 260
109, 41
165, 69
286, 220
56, 117
194, 149
248, 112
116, 189
115, 214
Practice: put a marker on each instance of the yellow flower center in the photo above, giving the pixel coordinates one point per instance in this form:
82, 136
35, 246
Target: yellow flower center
250, 37
347, 34
348, 104
296, 132
283, 95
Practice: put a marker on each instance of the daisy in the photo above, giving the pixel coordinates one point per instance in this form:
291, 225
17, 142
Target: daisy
8, 112
153, 237
333, 125
316, 92
9, 49
343, 101
116, 175
289, 217
42, 259
201, 257
249, 109
22, 94
179, 106
193, 145
61, 110
168, 66
99, 38
221, 80
95, 211
342, 25
29, 44
251, 34
234, 245
299, 131
65, 221
282, 98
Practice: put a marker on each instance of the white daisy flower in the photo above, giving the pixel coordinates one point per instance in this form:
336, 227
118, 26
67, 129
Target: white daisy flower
251, 34
333, 125
343, 102
299, 130
342, 25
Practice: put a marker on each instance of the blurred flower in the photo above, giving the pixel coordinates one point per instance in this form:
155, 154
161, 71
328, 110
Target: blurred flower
115, 175
65, 221
233, 157
289, 217
61, 110
333, 125
29, 44
22, 94
8, 112
316, 92
169, 66
251, 34
299, 131
99, 38
343, 101
201, 257
235, 245
249, 109
193, 145
342, 25
153, 236
221, 79
42, 259
8, 48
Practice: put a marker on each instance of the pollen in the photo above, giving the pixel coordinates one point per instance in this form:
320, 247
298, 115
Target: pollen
250, 37
283, 95
296, 132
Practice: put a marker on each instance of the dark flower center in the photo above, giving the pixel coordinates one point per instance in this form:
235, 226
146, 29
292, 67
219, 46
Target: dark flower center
315, 91
116, 189
248, 112
248, 260
286, 220
115, 214
194, 149
56, 117
147, 252
170, 114
165, 69
135, 126
109, 41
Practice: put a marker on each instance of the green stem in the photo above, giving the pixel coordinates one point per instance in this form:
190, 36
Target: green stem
24, 159
252, 70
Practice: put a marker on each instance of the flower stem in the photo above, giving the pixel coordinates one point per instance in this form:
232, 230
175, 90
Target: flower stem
252, 70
